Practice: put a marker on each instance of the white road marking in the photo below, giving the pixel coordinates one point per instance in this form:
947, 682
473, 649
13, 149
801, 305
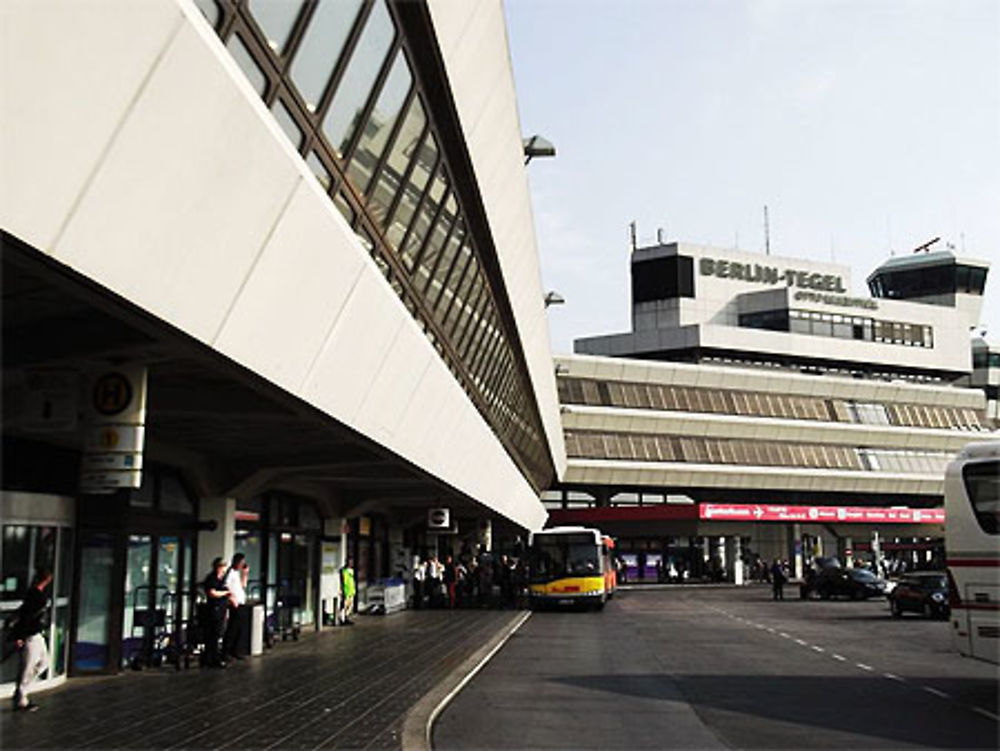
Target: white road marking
818, 649
799, 641
771, 631
932, 690
893, 677
839, 657
863, 666
785, 636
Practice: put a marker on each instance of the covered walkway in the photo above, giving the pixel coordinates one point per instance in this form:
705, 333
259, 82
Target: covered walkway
346, 688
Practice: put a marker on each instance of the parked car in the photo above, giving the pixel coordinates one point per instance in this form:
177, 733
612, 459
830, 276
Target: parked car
856, 583
924, 592
808, 585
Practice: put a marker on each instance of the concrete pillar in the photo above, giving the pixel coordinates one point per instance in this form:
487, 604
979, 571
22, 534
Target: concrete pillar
485, 537
219, 542
734, 560
796, 558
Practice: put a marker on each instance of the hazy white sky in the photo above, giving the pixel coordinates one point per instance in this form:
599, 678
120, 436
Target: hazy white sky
864, 126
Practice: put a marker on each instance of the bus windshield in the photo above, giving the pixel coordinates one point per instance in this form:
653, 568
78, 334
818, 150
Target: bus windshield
554, 556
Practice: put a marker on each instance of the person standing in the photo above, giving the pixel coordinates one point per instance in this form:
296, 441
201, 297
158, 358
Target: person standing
778, 579
236, 582
348, 590
450, 580
419, 574
215, 612
27, 634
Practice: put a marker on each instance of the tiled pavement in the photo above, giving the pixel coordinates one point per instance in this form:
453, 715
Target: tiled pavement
345, 688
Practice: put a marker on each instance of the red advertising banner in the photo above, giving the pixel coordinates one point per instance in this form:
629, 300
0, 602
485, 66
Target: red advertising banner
766, 512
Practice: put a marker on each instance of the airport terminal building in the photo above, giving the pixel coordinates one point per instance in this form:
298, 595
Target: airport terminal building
270, 285
762, 406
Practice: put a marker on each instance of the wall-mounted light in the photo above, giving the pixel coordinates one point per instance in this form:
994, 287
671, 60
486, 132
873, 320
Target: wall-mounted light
537, 146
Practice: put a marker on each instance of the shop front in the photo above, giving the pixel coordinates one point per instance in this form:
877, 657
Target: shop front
37, 534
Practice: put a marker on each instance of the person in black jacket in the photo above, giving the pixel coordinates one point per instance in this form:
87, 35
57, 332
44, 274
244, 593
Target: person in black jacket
219, 597
32, 619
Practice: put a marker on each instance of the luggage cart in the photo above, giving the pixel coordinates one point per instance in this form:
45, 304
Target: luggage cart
288, 615
148, 635
185, 639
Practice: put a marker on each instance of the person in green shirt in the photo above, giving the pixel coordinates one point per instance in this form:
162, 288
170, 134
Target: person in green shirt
347, 591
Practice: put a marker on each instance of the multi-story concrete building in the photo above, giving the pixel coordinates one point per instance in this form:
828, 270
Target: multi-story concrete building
762, 404
270, 285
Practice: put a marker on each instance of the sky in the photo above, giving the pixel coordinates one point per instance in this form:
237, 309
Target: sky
866, 127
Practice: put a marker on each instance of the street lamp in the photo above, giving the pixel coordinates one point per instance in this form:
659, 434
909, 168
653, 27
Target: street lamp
537, 146
553, 298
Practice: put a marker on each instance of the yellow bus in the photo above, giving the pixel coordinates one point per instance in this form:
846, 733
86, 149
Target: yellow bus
570, 566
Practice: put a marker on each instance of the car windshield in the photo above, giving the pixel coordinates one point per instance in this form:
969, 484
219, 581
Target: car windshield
862, 575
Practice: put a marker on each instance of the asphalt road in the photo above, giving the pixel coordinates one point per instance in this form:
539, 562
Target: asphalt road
726, 668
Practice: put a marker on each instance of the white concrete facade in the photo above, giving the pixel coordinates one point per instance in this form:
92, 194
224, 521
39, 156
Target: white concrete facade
710, 320
137, 154
679, 475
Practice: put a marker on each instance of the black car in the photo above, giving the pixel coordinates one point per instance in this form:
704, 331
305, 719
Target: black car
924, 592
856, 583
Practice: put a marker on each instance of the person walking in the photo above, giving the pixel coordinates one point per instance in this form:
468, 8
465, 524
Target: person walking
236, 583
33, 656
215, 612
348, 590
778, 579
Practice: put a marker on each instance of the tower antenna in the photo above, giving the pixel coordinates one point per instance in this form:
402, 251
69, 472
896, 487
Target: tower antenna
631, 234
767, 233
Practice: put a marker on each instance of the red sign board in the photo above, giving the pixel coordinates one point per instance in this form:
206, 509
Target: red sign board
767, 512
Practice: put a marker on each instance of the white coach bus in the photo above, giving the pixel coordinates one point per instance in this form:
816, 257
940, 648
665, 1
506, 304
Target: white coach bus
972, 541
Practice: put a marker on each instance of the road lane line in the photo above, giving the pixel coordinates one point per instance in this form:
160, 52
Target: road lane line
818, 649
893, 677
803, 643
932, 690
772, 631
987, 713
785, 636
863, 666
839, 657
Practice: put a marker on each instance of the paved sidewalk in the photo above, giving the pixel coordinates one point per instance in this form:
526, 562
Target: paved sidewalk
345, 688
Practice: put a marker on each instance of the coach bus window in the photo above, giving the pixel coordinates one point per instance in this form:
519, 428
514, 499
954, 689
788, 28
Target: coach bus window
982, 481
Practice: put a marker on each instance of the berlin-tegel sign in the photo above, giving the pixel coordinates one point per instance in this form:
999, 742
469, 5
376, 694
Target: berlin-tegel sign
766, 512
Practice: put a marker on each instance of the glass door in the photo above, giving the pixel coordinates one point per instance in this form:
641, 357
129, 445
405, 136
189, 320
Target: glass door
26, 549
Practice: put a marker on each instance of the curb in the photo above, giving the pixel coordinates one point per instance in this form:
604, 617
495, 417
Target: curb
419, 722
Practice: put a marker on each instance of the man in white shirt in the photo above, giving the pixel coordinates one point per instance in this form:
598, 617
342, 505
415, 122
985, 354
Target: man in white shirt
236, 583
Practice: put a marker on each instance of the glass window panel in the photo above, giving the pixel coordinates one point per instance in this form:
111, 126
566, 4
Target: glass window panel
276, 18
419, 230
355, 87
436, 242
451, 304
321, 47
97, 558
322, 173
209, 9
383, 192
375, 136
473, 312
445, 263
287, 123
345, 209
245, 60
